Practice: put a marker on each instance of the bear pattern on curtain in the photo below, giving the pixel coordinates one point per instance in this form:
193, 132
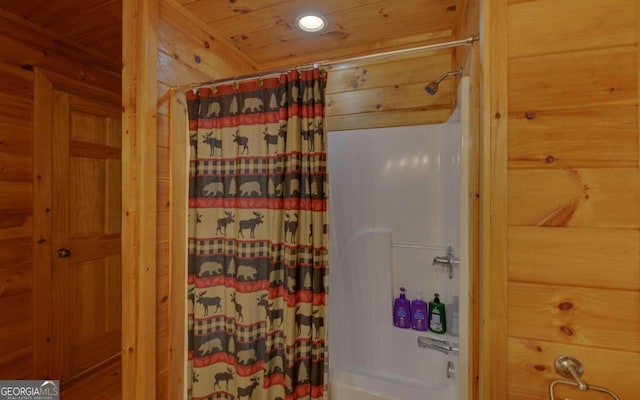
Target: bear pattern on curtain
258, 239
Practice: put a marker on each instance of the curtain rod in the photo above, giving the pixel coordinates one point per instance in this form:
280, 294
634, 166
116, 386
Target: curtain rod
436, 46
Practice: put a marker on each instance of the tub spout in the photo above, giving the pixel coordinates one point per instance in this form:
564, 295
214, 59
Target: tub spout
439, 345
441, 260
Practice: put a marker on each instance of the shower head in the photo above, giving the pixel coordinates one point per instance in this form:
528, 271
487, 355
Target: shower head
432, 87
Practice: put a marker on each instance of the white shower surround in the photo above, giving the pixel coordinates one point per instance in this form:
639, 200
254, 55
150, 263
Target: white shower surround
390, 188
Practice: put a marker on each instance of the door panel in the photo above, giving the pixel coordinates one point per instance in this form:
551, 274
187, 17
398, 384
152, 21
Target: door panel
86, 221
86, 194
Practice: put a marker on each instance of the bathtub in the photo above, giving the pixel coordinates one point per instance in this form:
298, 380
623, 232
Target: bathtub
351, 386
395, 204
369, 358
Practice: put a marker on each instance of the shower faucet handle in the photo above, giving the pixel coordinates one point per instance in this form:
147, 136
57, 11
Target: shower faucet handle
447, 261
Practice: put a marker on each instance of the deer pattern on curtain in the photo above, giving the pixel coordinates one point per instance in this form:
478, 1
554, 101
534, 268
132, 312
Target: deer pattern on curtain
258, 239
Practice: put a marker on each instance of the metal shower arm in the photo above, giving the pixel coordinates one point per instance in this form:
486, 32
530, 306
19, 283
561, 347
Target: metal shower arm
444, 76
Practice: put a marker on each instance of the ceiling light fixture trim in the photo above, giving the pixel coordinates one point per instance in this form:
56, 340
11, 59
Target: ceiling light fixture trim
311, 22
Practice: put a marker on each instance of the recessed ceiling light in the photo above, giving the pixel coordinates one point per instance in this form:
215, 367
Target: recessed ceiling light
311, 22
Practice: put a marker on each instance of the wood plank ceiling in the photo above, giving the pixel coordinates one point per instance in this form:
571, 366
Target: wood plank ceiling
262, 29
96, 24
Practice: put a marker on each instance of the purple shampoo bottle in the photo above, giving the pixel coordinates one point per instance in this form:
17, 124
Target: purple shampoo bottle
419, 314
402, 311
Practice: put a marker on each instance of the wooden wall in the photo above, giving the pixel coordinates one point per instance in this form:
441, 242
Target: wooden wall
187, 53
16, 185
467, 25
23, 47
389, 92
562, 255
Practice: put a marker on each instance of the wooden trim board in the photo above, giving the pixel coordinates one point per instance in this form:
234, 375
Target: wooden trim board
42, 220
493, 205
178, 248
139, 176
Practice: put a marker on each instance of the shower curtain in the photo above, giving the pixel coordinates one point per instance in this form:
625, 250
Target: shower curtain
258, 239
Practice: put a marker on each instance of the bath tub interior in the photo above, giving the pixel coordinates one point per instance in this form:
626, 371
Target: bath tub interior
396, 202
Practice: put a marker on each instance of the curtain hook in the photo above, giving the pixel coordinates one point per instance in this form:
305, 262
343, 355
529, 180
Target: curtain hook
259, 82
214, 89
235, 85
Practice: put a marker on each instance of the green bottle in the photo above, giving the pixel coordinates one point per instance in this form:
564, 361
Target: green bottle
437, 320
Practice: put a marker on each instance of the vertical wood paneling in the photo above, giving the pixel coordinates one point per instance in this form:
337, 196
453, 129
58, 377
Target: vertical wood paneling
162, 336
178, 253
163, 316
42, 204
139, 86
61, 328
637, 183
494, 206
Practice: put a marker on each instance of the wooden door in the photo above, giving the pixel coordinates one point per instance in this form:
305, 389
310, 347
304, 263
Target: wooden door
86, 271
